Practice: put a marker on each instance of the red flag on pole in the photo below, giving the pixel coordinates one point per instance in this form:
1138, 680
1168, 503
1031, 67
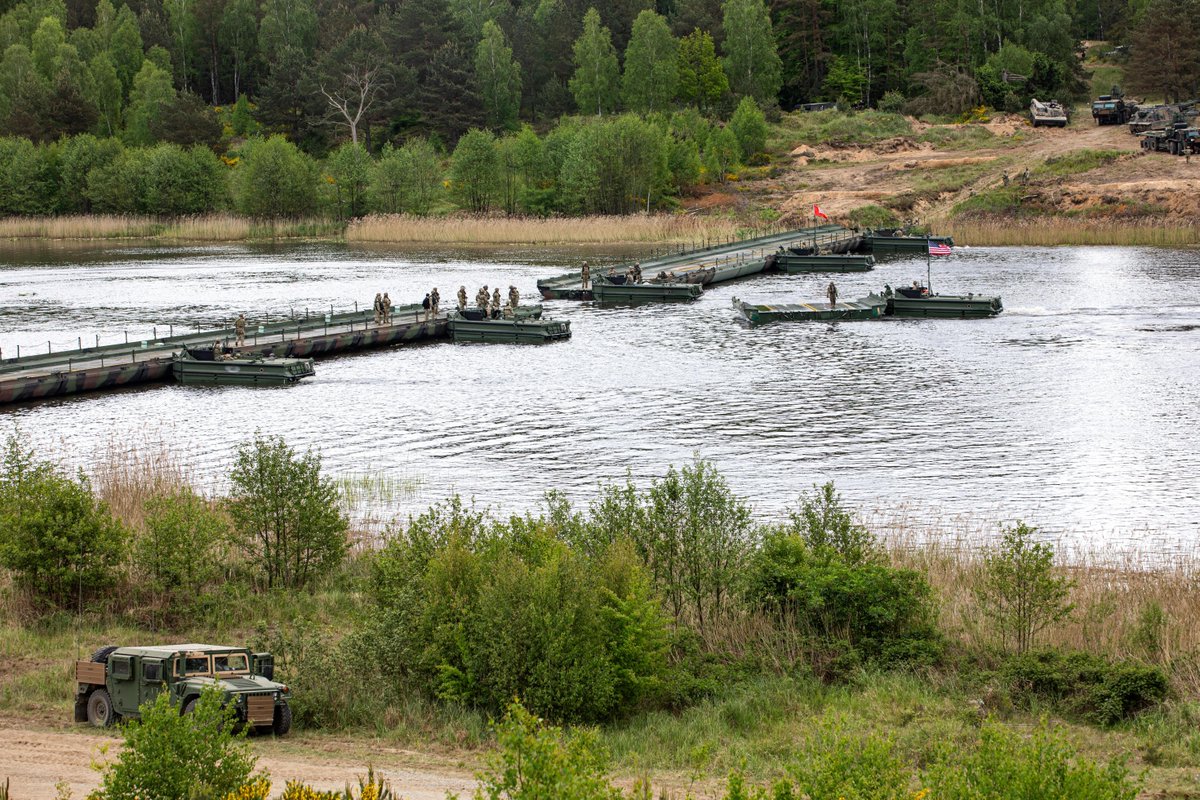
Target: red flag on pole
817, 212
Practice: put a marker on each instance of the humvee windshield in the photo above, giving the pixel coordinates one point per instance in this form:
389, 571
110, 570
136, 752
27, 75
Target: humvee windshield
231, 662
196, 664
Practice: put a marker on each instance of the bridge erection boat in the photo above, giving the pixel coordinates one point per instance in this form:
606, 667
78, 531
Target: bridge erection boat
200, 366
525, 326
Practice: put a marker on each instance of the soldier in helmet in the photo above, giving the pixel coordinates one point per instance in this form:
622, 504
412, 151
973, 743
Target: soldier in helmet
514, 297
636, 272
586, 273
462, 299
239, 328
387, 309
435, 300
481, 299
496, 303
378, 308
832, 291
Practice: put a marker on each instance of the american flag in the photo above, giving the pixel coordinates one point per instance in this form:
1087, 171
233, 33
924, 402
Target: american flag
939, 249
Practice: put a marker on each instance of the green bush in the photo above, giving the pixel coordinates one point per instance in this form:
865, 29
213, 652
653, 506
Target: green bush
750, 127
181, 546
480, 613
62, 544
274, 179
168, 754
536, 761
837, 765
873, 216
1007, 766
286, 514
1019, 591
1085, 686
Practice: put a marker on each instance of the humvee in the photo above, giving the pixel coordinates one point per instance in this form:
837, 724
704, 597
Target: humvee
115, 681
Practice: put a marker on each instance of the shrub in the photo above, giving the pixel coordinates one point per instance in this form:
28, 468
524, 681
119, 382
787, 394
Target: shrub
179, 549
1018, 591
61, 543
1086, 686
1007, 766
848, 611
274, 179
285, 512
479, 614
836, 765
168, 754
892, 102
874, 216
825, 526
537, 761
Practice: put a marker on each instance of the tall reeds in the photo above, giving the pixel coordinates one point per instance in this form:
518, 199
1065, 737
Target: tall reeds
200, 228
465, 229
1067, 231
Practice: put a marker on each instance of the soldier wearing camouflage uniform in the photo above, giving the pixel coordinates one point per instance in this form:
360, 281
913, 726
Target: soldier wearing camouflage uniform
462, 299
481, 299
378, 307
514, 298
387, 309
436, 300
239, 328
586, 274
496, 302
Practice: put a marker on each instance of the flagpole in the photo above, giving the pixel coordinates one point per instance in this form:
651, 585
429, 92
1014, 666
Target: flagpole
928, 267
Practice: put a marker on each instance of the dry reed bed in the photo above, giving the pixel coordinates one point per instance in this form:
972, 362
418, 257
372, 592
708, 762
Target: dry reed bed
1061, 231
200, 228
484, 230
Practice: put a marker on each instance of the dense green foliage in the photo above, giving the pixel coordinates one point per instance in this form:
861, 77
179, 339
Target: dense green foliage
287, 514
1085, 686
59, 541
212, 76
168, 754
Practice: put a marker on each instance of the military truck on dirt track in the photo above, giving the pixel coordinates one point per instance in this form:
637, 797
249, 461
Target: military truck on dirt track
116, 681
1161, 117
1179, 139
1050, 113
1108, 109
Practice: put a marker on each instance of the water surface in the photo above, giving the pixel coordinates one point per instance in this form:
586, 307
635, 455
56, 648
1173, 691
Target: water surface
1076, 410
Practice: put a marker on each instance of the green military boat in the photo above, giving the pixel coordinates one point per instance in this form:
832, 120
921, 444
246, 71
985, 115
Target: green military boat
918, 301
894, 241
199, 366
619, 289
869, 307
795, 264
526, 326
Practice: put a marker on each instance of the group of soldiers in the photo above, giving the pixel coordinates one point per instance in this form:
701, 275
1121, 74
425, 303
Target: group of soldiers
431, 303
490, 303
383, 309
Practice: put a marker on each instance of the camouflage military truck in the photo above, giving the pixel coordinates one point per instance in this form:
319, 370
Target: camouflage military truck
1050, 113
1178, 139
1108, 109
115, 681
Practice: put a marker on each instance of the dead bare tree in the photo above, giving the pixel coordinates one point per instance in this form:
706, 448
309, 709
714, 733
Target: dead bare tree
360, 86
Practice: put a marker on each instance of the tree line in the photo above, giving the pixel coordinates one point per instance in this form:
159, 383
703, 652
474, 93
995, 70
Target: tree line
614, 164
324, 71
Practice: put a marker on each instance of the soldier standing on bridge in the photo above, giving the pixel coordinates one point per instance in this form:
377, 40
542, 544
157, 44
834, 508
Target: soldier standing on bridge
514, 298
496, 303
387, 309
427, 304
378, 308
239, 328
586, 273
435, 300
831, 290
481, 299
462, 299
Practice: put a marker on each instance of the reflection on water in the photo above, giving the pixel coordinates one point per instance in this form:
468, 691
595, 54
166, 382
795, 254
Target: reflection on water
1075, 410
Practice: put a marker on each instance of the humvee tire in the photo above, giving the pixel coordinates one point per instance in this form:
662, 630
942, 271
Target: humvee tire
283, 719
100, 709
189, 706
101, 655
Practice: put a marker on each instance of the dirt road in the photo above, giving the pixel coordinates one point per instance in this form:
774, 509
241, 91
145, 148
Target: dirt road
36, 760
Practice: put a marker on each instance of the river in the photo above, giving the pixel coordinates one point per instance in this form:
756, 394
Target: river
1076, 410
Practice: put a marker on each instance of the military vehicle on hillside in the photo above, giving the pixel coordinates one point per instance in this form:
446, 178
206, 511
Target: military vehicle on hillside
1179, 139
116, 681
1161, 117
1049, 113
1112, 109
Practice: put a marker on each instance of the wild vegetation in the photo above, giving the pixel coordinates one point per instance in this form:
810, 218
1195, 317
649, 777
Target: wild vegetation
695, 635
292, 109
